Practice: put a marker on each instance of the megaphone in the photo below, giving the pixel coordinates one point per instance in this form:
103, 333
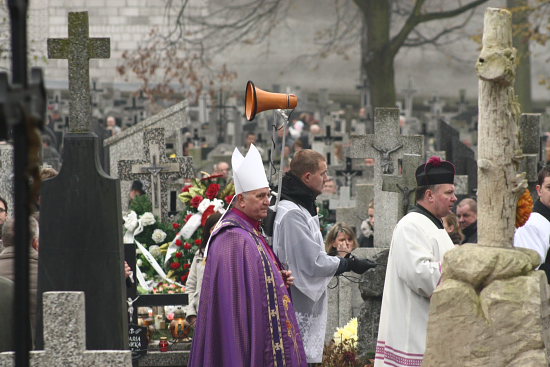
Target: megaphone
257, 100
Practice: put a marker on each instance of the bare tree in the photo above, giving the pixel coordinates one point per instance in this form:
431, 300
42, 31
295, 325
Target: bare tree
227, 23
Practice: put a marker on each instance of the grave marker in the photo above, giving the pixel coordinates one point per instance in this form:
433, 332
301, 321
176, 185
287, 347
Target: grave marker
404, 184
65, 337
386, 146
80, 222
156, 169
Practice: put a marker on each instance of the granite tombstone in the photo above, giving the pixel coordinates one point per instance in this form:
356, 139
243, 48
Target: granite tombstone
80, 223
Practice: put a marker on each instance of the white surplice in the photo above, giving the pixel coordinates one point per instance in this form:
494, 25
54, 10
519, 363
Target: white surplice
413, 272
298, 243
534, 235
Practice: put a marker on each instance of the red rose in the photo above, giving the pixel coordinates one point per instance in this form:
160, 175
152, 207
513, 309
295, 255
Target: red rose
176, 226
184, 278
179, 254
187, 246
186, 188
228, 198
212, 191
179, 242
187, 217
175, 265
195, 202
186, 266
198, 241
208, 212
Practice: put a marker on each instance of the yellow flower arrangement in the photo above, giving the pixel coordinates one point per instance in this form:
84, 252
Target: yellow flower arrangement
347, 333
524, 208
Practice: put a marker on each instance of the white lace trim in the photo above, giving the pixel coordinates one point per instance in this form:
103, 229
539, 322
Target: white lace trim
313, 334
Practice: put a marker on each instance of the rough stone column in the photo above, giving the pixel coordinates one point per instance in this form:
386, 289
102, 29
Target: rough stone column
498, 147
492, 307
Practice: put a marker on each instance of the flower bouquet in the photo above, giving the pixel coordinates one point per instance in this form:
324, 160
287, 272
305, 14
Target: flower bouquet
201, 199
166, 250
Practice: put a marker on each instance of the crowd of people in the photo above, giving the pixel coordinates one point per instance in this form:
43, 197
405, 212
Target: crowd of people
257, 303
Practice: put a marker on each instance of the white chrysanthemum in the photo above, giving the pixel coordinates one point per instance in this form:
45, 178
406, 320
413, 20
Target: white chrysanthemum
130, 221
139, 262
147, 219
138, 251
158, 236
205, 203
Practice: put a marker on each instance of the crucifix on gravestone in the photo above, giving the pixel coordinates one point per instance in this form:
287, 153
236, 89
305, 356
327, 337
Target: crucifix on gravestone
82, 206
386, 146
349, 172
79, 49
405, 184
157, 169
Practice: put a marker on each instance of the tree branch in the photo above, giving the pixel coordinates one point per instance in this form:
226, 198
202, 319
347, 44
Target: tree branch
416, 17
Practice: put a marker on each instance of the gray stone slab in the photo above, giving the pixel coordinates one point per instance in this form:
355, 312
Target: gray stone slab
65, 337
530, 145
81, 242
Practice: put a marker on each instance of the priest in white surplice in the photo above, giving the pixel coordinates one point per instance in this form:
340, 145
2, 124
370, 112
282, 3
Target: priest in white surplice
414, 267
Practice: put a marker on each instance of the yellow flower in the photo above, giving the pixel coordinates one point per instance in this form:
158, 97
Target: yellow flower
348, 332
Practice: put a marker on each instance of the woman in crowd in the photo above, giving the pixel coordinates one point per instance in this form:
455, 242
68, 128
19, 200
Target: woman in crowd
341, 240
450, 222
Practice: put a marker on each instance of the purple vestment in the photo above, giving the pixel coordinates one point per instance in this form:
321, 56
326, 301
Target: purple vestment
245, 317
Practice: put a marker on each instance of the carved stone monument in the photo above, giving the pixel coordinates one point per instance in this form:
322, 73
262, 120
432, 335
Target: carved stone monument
491, 308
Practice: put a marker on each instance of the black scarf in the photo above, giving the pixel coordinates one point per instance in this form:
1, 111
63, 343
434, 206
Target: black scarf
542, 210
296, 191
420, 209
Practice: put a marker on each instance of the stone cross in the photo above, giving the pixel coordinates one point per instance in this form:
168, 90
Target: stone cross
79, 49
344, 201
405, 184
157, 169
386, 145
65, 337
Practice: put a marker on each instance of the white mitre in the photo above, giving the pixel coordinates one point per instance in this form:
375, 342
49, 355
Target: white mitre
248, 172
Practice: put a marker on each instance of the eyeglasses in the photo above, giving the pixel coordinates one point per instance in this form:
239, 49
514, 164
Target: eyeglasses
2, 210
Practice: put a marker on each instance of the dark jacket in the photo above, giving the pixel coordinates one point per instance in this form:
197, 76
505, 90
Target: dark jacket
470, 233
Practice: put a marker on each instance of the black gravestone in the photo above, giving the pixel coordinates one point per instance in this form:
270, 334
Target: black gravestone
80, 219
81, 243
